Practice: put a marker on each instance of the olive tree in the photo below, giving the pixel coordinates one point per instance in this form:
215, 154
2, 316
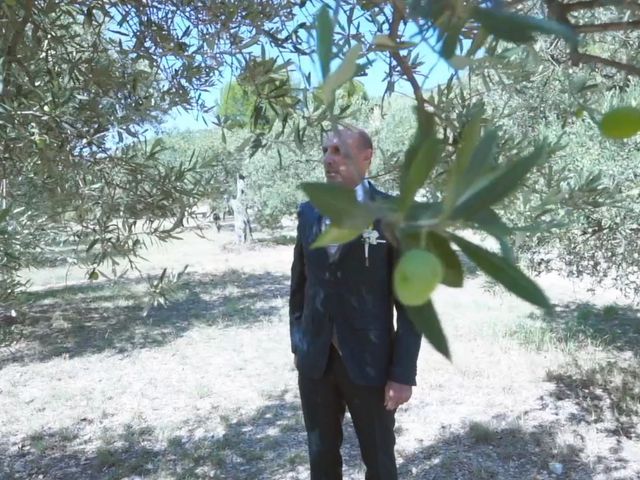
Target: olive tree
83, 82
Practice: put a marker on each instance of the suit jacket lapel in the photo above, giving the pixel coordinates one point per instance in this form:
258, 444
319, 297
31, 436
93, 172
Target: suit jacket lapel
316, 223
315, 228
373, 192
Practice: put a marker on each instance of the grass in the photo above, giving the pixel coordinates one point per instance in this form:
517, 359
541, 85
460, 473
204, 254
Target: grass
575, 327
38, 443
10, 335
606, 392
482, 432
297, 459
495, 449
278, 239
601, 372
536, 336
205, 388
246, 445
86, 319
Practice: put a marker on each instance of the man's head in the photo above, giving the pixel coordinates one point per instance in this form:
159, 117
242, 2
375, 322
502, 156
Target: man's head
347, 156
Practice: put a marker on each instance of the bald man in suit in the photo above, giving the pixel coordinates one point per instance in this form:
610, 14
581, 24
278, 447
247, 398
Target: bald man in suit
347, 350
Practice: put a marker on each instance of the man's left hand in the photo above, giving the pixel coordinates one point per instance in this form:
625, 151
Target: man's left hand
395, 394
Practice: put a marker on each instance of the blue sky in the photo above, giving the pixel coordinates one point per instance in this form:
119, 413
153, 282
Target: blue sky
438, 72
373, 84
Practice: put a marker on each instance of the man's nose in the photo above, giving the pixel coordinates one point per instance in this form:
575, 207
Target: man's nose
328, 159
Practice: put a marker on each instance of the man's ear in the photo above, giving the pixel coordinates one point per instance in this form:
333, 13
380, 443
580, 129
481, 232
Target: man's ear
368, 157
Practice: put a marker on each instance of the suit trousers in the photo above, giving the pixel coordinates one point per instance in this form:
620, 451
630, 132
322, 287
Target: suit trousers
323, 406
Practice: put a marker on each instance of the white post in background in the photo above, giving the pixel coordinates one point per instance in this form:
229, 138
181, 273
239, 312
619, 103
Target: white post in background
3, 193
242, 223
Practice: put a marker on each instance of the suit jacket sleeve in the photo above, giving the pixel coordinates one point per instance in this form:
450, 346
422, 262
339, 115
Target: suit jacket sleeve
406, 345
298, 283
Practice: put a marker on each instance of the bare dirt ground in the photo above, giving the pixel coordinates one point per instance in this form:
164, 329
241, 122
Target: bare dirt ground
205, 388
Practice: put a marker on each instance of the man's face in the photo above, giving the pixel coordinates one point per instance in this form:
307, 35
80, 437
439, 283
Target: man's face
346, 160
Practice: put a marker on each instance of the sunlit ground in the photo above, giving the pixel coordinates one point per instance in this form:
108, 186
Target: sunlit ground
205, 388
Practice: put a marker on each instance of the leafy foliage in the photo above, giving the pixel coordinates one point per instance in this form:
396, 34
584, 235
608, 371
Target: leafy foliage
236, 106
83, 84
578, 212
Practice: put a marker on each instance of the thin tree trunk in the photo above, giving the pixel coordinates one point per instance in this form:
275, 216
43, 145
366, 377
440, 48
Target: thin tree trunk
3, 193
241, 220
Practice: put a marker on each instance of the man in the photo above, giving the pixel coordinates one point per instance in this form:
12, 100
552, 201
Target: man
346, 349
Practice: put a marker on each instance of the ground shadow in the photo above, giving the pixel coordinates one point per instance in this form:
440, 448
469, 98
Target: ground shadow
86, 319
615, 327
469, 268
606, 393
276, 238
65, 254
490, 451
73, 252
269, 444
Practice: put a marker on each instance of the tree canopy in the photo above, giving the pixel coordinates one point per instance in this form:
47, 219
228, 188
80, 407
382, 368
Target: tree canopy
85, 84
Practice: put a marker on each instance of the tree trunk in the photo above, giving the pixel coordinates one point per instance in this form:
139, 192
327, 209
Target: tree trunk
3, 193
241, 220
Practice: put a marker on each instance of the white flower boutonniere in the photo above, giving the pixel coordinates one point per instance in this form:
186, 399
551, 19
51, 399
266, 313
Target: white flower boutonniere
370, 237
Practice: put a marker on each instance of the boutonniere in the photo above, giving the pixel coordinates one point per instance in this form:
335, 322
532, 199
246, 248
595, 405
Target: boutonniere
370, 237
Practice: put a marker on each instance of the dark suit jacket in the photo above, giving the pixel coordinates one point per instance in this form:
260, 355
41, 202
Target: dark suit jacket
355, 298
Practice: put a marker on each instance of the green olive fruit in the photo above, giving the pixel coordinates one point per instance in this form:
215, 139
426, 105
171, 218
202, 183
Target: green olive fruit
622, 122
41, 142
416, 276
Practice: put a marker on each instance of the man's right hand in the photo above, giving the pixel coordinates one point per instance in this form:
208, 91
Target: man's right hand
395, 394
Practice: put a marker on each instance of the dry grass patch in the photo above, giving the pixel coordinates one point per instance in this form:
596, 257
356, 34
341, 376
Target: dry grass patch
87, 319
206, 388
606, 392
